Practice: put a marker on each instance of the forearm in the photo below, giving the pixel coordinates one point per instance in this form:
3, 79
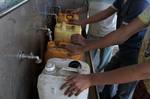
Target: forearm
113, 38
123, 75
99, 16
116, 37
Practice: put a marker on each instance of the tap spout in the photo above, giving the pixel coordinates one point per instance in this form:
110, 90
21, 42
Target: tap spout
22, 56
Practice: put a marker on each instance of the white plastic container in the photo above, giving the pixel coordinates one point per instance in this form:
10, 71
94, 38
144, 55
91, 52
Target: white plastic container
52, 77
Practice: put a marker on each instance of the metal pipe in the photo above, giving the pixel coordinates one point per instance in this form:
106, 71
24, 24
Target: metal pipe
21, 56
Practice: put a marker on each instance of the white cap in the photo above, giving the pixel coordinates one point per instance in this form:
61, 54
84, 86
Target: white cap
50, 67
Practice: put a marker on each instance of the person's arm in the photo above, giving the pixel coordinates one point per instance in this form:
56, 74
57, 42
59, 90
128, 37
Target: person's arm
122, 34
76, 84
115, 37
99, 16
122, 75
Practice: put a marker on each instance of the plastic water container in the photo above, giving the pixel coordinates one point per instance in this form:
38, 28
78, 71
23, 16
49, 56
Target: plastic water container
53, 75
63, 31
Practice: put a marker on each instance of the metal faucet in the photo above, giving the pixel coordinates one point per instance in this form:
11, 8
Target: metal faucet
49, 32
21, 56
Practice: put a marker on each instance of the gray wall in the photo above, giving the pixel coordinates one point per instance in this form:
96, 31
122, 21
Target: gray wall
18, 31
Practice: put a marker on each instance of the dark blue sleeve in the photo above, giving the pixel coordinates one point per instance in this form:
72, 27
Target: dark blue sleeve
117, 4
135, 9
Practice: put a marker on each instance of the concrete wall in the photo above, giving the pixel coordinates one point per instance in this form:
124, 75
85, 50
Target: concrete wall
18, 31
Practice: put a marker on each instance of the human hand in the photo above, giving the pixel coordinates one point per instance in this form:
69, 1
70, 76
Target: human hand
78, 39
76, 84
78, 44
73, 48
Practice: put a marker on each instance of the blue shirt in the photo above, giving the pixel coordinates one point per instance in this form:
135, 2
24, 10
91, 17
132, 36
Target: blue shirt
126, 13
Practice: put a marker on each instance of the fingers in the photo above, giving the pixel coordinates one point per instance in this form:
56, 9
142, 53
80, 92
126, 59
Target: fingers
64, 85
69, 78
68, 82
77, 39
73, 48
71, 87
72, 90
78, 92
76, 36
69, 47
77, 45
